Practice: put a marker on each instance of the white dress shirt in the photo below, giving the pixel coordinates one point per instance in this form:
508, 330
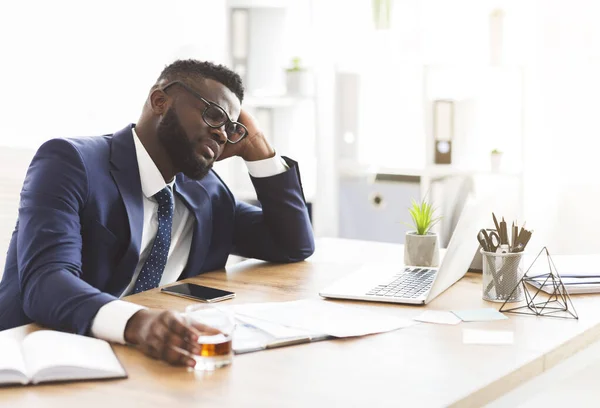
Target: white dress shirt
111, 319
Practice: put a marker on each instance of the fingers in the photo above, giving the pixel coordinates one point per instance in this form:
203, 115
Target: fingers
168, 338
228, 151
204, 330
176, 325
157, 347
245, 117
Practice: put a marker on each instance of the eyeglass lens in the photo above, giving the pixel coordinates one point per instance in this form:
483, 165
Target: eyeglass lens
216, 117
235, 131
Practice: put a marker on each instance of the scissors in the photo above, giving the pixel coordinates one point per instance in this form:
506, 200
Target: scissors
490, 241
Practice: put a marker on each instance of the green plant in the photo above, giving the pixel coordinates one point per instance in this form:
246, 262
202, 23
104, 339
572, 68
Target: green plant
382, 13
296, 65
422, 216
496, 151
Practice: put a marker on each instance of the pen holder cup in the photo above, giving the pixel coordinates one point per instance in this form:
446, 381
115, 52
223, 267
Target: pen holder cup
501, 274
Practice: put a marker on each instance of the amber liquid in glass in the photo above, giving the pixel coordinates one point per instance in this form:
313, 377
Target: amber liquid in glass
215, 351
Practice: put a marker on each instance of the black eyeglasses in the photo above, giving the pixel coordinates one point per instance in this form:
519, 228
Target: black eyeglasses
215, 116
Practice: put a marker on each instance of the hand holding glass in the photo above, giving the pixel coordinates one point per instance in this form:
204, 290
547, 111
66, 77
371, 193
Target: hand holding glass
215, 341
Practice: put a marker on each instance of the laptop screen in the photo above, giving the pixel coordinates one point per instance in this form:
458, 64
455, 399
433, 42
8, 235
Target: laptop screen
462, 246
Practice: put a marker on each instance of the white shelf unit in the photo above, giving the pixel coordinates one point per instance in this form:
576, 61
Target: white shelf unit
281, 4
260, 51
488, 101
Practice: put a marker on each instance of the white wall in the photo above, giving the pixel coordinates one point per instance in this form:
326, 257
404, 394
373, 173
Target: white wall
73, 68
562, 190
13, 166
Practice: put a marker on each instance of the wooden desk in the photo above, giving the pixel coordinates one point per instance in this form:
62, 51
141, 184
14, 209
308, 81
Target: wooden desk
425, 364
572, 383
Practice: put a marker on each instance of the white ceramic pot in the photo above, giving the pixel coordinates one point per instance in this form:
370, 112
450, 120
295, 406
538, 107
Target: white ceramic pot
496, 161
299, 83
421, 250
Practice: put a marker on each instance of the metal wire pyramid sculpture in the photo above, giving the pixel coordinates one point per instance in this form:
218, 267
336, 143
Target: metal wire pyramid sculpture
558, 302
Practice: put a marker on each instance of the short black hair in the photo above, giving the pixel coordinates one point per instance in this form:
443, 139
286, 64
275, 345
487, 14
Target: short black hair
191, 68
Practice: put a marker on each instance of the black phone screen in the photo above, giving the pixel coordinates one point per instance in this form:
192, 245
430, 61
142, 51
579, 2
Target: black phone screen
202, 293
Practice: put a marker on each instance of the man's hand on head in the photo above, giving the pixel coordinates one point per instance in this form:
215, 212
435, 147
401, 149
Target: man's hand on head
164, 335
254, 146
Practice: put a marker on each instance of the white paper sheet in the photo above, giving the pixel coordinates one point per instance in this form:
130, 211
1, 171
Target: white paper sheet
276, 330
479, 315
11, 359
472, 336
570, 281
48, 352
566, 265
321, 316
243, 313
253, 334
438, 316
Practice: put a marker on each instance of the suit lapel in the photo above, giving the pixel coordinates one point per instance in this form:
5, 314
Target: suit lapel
126, 174
198, 202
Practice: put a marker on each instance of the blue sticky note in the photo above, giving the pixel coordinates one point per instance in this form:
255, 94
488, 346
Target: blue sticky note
479, 315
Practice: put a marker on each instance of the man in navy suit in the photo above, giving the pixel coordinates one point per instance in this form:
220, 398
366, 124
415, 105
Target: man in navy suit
104, 217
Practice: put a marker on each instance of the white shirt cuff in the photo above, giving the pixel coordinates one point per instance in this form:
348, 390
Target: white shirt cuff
111, 319
267, 167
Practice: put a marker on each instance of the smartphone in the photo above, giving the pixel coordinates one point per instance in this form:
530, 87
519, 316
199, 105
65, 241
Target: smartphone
197, 292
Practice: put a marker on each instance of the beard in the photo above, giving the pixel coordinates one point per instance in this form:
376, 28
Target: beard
180, 149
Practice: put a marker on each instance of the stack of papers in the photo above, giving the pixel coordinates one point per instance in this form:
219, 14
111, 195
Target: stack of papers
579, 274
321, 316
275, 324
255, 335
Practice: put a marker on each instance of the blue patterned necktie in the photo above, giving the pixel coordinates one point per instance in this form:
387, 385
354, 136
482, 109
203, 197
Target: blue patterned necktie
149, 277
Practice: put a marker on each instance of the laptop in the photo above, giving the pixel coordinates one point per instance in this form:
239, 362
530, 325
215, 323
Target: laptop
395, 283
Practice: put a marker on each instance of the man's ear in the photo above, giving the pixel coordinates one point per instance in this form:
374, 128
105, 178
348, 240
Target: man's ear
159, 102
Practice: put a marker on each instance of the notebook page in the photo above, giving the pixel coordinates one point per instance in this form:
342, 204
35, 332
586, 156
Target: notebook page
55, 356
12, 365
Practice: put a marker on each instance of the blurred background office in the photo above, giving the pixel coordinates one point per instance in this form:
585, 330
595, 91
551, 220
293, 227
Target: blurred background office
380, 101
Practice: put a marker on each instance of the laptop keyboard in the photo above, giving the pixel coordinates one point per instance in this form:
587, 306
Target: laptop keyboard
411, 283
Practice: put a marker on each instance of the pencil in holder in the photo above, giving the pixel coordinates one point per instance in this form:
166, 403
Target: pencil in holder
501, 274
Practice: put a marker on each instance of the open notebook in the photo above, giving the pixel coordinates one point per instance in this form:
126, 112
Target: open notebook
48, 355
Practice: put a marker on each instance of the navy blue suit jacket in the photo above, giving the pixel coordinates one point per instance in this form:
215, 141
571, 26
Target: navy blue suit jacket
78, 234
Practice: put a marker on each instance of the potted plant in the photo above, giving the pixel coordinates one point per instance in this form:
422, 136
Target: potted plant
496, 160
298, 79
421, 247
382, 13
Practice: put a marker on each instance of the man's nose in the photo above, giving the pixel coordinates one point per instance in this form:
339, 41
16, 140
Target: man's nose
219, 134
